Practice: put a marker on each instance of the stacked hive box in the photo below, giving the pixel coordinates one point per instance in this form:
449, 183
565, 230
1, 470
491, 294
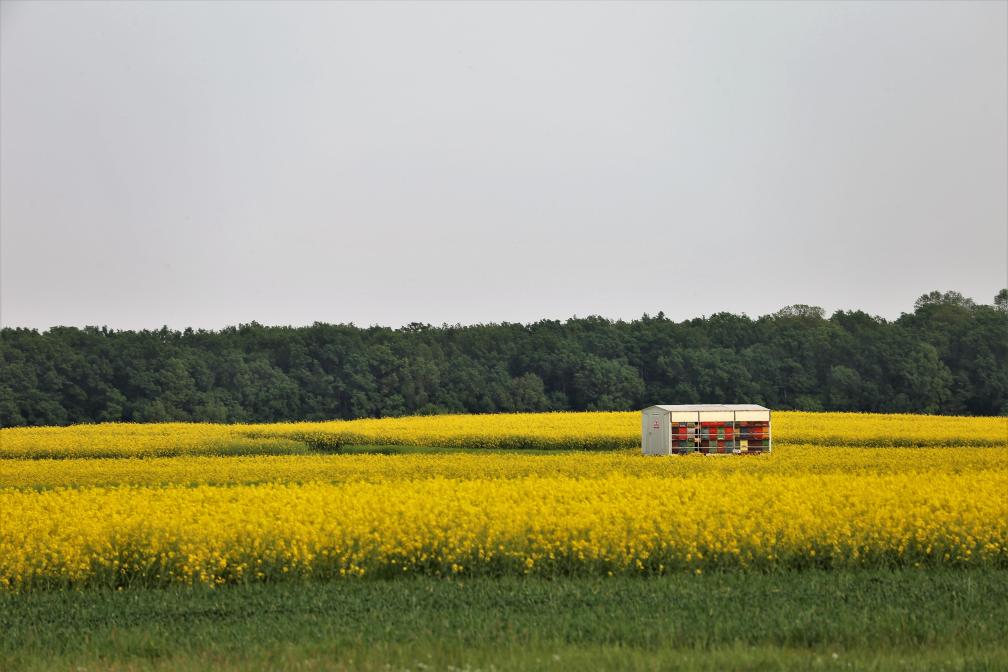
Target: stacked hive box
753, 435
717, 437
705, 428
684, 436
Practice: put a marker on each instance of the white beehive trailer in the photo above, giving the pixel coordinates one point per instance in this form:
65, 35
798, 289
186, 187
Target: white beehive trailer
705, 428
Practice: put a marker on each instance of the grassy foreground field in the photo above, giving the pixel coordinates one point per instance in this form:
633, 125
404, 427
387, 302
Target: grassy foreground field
875, 620
504, 542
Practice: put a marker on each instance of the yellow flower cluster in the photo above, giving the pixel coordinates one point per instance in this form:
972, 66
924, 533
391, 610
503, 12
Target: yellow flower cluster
614, 523
545, 431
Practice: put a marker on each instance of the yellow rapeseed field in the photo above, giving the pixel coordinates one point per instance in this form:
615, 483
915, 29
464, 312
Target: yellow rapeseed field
246, 470
546, 431
613, 524
151, 505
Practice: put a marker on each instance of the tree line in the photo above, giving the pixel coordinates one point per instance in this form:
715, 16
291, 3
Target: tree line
950, 355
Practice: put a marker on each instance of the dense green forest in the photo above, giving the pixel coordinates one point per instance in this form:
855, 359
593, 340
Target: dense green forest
949, 355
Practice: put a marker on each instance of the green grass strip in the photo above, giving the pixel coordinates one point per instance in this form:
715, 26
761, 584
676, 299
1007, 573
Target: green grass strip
884, 620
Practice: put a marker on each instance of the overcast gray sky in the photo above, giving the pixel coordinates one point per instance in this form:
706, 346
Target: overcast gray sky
206, 164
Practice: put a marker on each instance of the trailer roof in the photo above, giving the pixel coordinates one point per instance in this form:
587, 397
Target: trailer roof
686, 408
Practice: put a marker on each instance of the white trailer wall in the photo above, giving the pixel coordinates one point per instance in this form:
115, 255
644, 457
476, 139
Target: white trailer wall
655, 432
